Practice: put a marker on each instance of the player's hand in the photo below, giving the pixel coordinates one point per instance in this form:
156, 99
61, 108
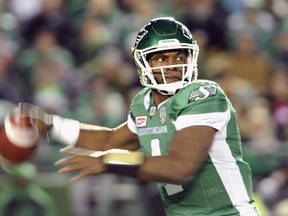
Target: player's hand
84, 165
39, 117
43, 127
21, 133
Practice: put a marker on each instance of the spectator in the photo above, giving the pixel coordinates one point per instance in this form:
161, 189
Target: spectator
209, 16
278, 98
249, 63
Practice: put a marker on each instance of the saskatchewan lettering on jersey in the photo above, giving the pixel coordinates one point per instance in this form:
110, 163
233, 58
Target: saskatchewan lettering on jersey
152, 130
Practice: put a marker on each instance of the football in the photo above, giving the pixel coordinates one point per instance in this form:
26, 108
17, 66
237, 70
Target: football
20, 138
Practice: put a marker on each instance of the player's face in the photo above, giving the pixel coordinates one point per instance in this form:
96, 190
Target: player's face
167, 58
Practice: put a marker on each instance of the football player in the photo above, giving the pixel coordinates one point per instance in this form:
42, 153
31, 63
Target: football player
187, 129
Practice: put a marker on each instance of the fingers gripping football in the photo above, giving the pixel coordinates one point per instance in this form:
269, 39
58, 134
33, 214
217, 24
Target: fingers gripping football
21, 134
29, 116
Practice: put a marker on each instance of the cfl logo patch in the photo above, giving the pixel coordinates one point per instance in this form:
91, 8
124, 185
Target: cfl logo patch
141, 121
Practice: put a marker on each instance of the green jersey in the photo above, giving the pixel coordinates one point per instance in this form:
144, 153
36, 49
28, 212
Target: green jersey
222, 185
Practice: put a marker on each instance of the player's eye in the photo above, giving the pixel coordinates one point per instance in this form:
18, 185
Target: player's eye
161, 59
180, 58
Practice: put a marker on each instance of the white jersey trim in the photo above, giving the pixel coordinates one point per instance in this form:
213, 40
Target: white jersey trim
229, 172
131, 124
221, 155
216, 120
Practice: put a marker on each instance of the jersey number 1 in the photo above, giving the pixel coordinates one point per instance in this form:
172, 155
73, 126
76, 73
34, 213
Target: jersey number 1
170, 188
155, 147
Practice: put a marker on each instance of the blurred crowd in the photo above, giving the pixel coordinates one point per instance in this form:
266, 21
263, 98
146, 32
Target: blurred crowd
73, 58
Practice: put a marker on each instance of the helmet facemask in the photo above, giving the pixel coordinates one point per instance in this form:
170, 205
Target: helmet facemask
161, 35
146, 72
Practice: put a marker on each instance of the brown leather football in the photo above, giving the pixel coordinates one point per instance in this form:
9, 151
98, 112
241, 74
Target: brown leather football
19, 138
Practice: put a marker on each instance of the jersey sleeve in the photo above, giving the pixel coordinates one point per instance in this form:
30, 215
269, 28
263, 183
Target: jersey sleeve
207, 105
137, 103
215, 120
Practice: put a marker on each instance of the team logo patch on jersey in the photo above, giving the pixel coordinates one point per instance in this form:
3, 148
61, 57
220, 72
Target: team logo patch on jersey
141, 121
152, 110
162, 115
202, 93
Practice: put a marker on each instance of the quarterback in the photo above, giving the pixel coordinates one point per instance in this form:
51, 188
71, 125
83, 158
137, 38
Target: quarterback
186, 128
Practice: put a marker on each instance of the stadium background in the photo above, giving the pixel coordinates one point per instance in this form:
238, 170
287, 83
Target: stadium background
73, 58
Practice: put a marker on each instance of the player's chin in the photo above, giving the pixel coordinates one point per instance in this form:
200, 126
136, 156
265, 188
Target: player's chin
172, 80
